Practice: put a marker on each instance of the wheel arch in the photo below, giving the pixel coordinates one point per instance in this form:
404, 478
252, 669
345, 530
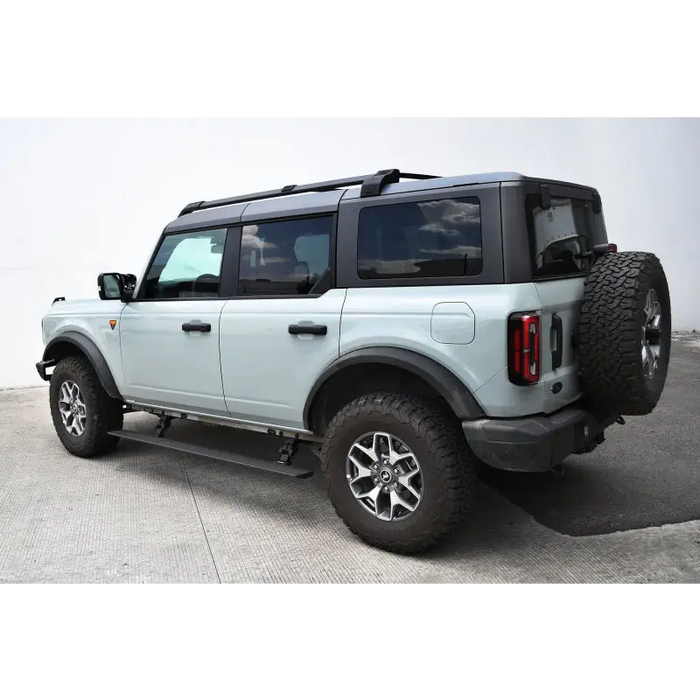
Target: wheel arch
74, 343
358, 372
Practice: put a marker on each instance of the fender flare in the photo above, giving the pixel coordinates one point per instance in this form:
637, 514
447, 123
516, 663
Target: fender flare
88, 348
457, 395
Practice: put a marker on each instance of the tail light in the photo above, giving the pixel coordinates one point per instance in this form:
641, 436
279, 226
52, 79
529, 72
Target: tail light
524, 348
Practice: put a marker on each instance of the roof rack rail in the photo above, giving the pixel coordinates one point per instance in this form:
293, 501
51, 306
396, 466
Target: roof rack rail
372, 185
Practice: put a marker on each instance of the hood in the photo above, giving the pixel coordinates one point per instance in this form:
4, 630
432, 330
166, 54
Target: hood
66, 307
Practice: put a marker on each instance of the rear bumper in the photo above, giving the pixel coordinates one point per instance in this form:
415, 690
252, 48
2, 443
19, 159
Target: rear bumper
537, 443
42, 366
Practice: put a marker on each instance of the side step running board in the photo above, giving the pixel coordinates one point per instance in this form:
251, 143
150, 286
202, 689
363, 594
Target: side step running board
220, 455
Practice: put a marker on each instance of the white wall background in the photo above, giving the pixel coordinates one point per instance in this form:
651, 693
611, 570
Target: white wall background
79, 197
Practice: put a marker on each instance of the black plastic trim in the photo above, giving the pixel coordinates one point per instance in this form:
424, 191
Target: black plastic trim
536, 443
196, 327
194, 206
211, 453
433, 373
230, 263
558, 346
94, 356
300, 329
517, 267
597, 204
374, 184
42, 366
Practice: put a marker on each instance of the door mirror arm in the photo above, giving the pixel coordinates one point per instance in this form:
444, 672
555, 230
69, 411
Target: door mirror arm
115, 285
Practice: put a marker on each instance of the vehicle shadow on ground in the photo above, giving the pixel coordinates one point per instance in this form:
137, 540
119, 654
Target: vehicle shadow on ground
251, 515
292, 502
227, 485
645, 474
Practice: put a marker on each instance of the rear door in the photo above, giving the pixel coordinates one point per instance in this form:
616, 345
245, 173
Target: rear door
282, 328
562, 228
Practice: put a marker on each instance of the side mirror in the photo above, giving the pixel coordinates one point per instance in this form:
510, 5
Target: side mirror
114, 285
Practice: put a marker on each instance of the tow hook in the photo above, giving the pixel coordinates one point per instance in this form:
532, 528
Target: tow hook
620, 420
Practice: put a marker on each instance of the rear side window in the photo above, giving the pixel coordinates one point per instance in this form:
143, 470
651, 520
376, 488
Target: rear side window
562, 236
286, 257
437, 238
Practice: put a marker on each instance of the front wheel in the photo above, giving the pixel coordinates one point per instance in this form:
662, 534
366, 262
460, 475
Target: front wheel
398, 471
82, 411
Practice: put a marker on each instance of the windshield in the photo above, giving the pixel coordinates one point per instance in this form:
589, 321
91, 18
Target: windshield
562, 237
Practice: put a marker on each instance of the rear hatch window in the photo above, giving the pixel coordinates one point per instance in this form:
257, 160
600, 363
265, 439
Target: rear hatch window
562, 237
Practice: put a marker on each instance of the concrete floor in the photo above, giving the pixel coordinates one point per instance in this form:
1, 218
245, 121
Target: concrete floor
147, 515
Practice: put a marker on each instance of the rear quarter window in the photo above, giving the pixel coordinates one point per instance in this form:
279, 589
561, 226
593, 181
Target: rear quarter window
435, 238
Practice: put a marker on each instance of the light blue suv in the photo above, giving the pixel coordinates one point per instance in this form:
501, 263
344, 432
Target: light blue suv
408, 328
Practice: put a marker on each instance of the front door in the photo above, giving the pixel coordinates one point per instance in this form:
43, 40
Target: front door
283, 327
170, 332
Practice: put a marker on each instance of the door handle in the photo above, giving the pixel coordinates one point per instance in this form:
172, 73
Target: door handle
296, 329
196, 326
557, 341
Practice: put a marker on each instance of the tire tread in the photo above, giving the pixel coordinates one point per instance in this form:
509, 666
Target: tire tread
456, 475
609, 332
104, 412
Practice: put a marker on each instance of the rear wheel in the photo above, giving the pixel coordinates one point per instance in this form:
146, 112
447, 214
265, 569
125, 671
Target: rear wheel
625, 333
82, 411
398, 471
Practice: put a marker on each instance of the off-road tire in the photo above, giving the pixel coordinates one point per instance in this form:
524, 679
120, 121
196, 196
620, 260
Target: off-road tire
103, 412
610, 333
449, 475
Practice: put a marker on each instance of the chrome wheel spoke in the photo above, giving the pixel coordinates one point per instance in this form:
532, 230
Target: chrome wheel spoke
397, 501
384, 476
652, 308
372, 496
651, 334
368, 451
380, 438
401, 456
405, 481
362, 471
72, 408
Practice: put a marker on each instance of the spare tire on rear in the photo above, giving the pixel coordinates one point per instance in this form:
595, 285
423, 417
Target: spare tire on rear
624, 333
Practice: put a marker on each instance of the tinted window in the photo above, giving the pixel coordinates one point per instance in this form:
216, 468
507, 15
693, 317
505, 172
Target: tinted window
186, 265
286, 257
440, 238
561, 236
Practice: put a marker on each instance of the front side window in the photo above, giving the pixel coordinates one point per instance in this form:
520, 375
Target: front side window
286, 257
187, 265
562, 236
438, 238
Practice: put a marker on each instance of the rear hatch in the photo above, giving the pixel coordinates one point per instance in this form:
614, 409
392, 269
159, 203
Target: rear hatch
564, 224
